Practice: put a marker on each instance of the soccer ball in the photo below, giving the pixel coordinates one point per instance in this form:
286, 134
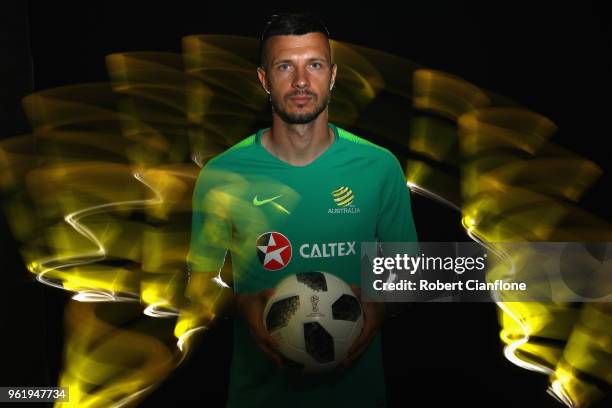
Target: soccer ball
314, 316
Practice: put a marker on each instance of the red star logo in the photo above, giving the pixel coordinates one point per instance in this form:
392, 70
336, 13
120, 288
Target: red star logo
273, 250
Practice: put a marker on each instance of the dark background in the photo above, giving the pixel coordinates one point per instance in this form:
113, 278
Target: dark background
554, 59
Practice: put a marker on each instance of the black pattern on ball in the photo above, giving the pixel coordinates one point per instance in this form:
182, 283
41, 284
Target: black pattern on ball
314, 280
281, 312
346, 307
319, 343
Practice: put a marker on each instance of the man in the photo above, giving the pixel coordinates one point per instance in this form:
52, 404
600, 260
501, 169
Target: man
278, 196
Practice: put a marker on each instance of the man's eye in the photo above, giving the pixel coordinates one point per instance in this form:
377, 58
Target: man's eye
283, 67
316, 65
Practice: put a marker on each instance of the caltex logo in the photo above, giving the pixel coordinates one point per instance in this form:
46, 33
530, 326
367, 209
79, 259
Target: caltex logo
273, 250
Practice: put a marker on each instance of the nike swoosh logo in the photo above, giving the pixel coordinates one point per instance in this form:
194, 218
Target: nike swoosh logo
267, 200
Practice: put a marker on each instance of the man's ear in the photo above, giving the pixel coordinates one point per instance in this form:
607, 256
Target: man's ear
261, 74
333, 75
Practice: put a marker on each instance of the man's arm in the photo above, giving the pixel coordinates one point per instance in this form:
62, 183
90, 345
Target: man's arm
394, 224
395, 221
209, 297
206, 295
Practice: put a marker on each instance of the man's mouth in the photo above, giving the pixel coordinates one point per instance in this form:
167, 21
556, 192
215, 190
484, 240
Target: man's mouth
301, 98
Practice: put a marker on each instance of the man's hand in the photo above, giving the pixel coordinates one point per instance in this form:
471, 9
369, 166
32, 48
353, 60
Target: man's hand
373, 316
251, 307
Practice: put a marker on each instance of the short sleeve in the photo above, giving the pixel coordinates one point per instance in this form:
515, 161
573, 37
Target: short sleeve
211, 227
394, 221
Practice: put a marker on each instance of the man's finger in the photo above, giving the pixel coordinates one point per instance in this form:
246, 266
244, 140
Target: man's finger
348, 361
271, 353
266, 293
363, 336
261, 333
263, 336
359, 341
270, 341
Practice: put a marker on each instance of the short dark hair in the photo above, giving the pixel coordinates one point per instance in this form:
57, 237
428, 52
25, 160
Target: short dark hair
290, 23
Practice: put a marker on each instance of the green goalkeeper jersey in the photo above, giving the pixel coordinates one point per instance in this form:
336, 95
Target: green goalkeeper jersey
277, 219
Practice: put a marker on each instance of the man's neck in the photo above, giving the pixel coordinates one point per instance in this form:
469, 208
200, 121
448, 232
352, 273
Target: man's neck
298, 145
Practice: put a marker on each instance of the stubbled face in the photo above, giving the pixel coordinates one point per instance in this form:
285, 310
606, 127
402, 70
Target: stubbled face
298, 75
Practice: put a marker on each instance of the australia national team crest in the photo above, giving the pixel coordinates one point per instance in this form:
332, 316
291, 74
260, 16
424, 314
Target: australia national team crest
273, 250
344, 201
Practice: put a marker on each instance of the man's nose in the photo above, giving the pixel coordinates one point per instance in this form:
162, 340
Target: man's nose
300, 80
